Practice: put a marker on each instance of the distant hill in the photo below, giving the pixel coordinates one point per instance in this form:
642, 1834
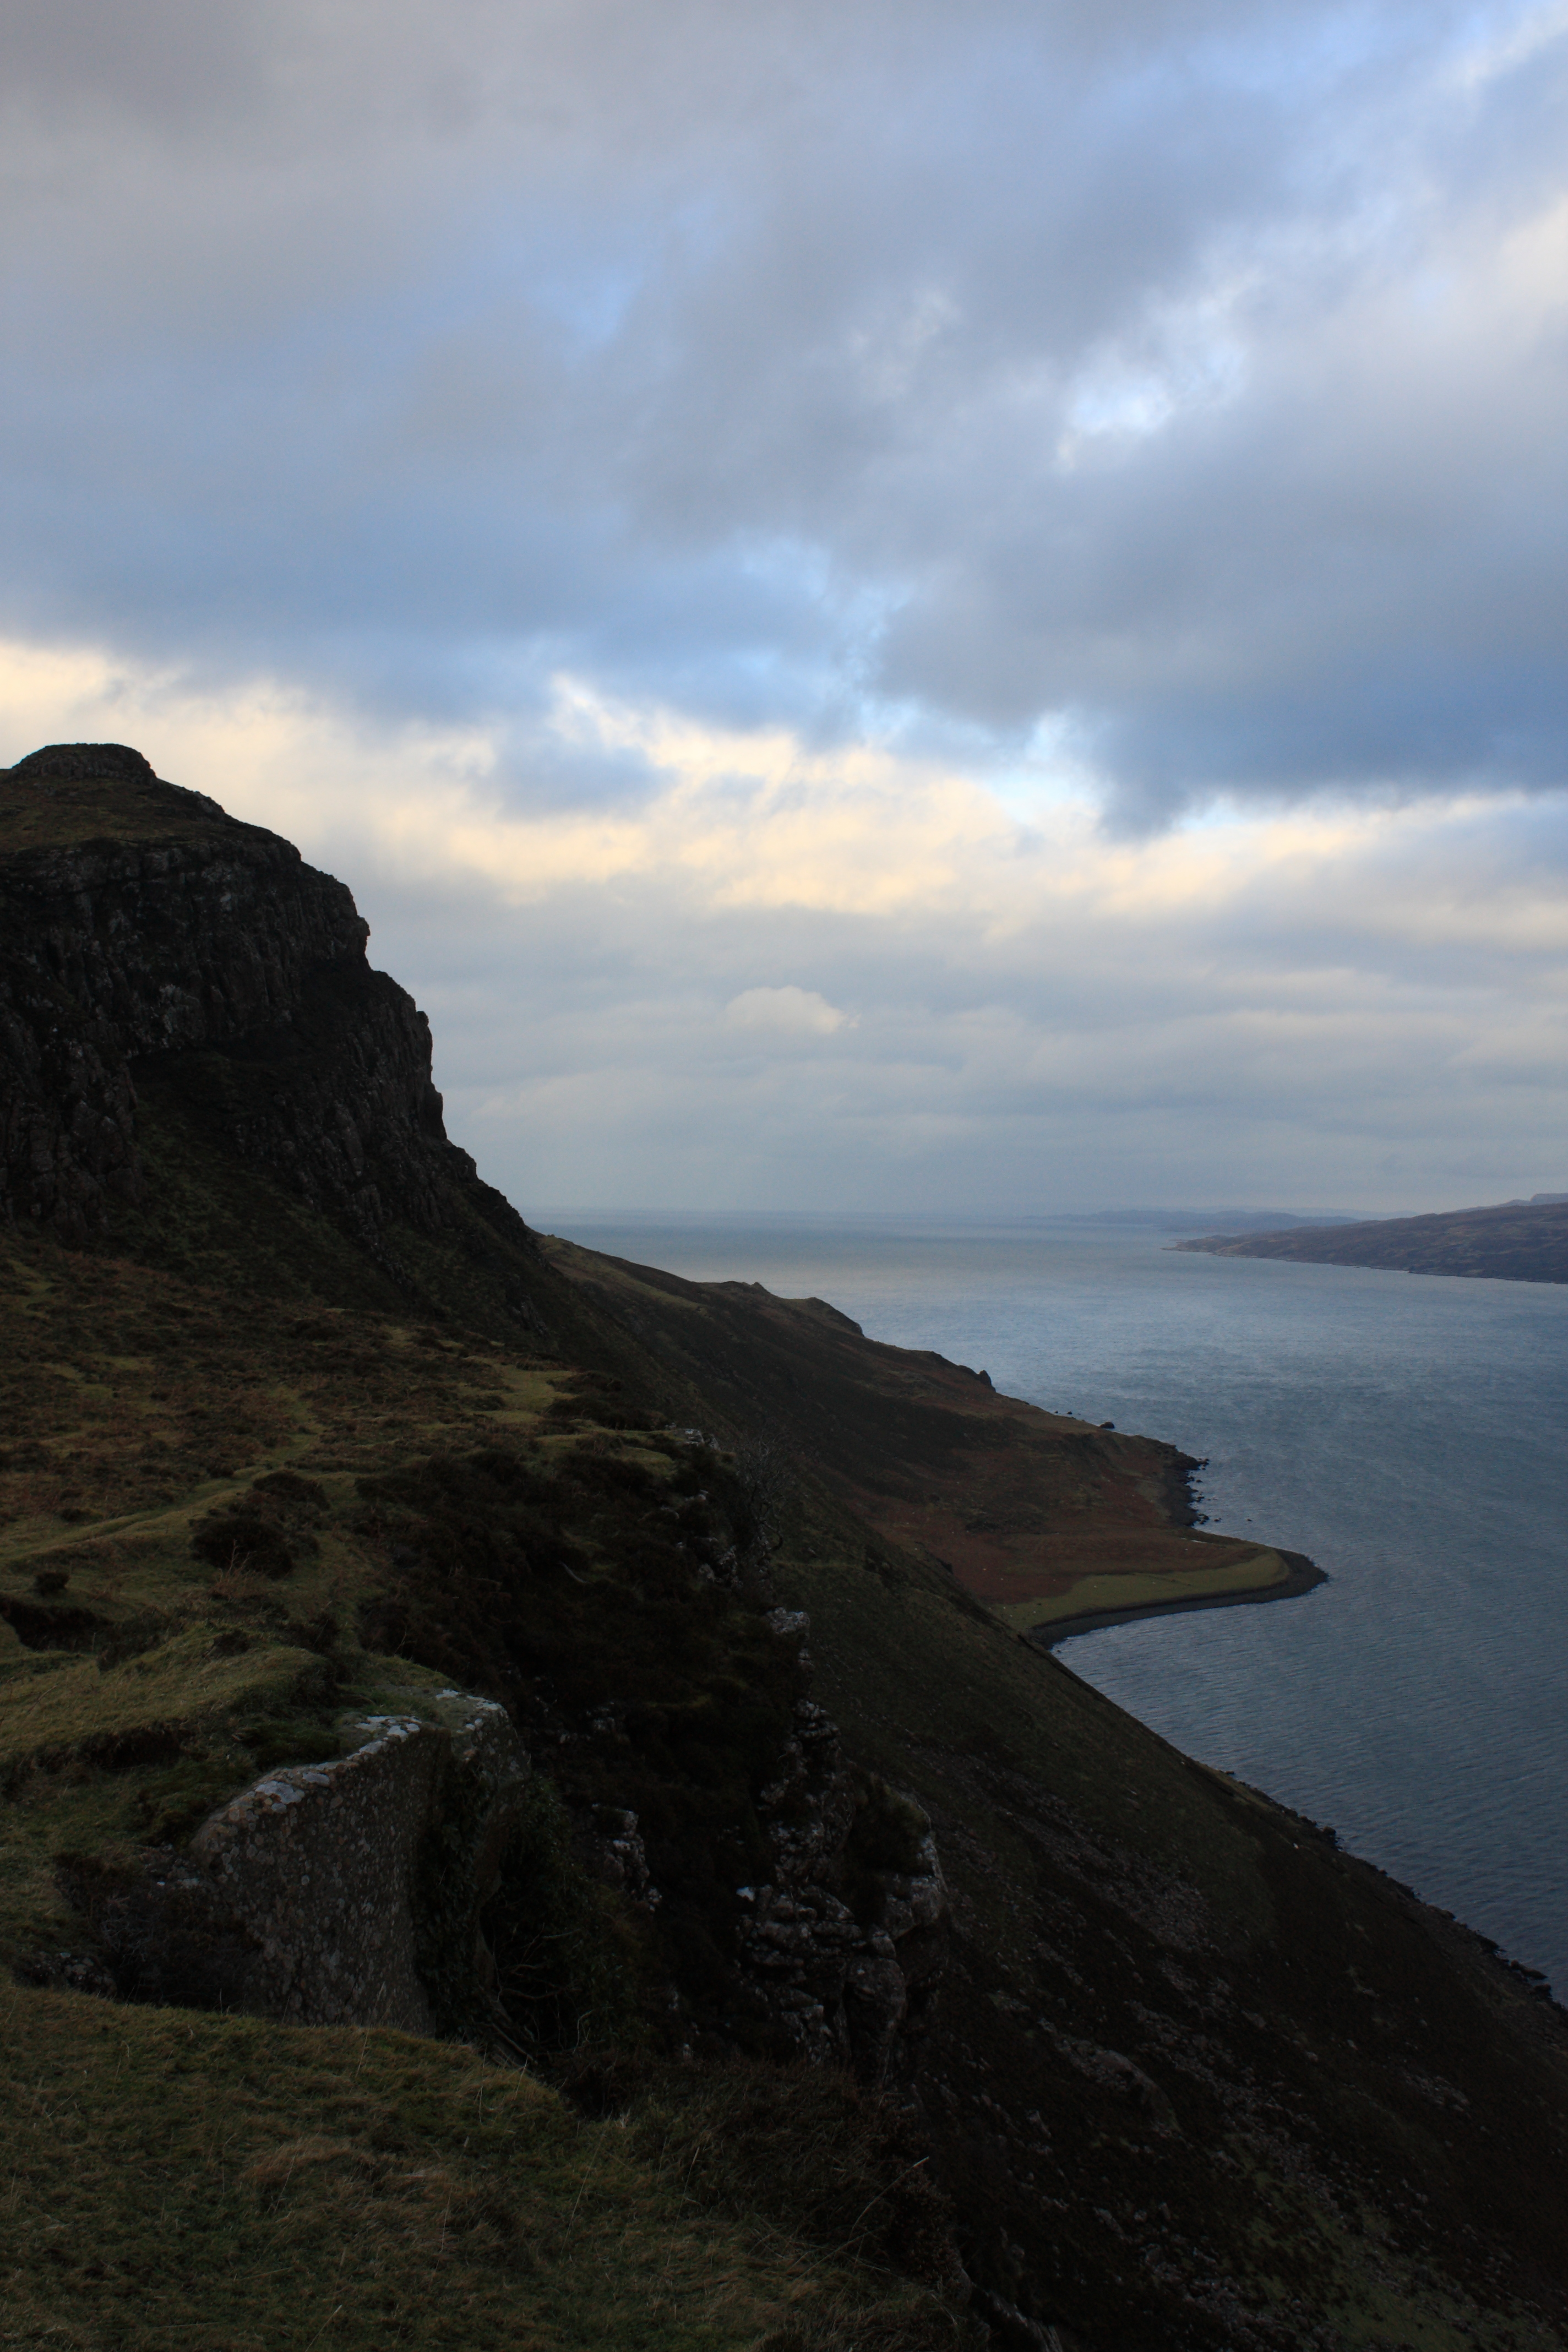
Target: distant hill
1520, 1241
1188, 1221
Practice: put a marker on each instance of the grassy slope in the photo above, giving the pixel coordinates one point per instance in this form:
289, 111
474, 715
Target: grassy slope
1044, 1516
1345, 2111
177, 2177
1149, 1958
55, 813
1152, 1958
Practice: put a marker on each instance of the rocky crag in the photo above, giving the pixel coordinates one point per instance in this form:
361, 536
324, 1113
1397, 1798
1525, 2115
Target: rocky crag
410, 1623
155, 951
197, 936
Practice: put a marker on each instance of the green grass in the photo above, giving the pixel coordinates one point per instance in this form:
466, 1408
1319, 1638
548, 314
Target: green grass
174, 2181
1254, 1575
170, 1693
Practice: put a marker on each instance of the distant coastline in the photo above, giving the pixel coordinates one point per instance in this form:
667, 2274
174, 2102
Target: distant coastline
1519, 1241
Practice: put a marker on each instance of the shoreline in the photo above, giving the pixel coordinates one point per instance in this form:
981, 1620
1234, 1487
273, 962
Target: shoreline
1303, 1576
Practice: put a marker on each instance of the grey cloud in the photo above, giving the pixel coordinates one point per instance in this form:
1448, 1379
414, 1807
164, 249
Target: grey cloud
726, 355
169, 63
971, 1080
1368, 1027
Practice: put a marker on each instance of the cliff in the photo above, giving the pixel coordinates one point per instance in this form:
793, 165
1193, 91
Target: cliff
874, 1982
145, 924
1520, 1240
150, 944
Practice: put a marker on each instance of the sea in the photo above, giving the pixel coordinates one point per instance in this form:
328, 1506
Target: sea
1406, 1431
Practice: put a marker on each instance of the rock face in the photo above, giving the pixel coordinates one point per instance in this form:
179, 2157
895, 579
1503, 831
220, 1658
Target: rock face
162, 930
347, 1893
320, 1867
842, 1979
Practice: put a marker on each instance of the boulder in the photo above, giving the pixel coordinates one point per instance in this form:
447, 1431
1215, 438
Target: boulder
345, 1893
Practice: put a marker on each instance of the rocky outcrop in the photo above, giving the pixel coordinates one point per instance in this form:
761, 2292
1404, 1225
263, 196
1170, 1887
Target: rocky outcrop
146, 932
841, 1988
843, 1942
346, 1893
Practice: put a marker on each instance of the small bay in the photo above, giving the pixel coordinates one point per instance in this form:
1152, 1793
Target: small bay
1406, 1431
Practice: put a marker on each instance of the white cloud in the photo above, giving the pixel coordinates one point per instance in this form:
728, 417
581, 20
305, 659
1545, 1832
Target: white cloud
1046, 527
791, 1012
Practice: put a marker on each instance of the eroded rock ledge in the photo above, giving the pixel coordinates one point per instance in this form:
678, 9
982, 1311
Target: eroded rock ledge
345, 1893
353, 1892
846, 1980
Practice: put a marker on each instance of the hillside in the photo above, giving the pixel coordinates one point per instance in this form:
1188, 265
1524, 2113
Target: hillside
1522, 1241
528, 1815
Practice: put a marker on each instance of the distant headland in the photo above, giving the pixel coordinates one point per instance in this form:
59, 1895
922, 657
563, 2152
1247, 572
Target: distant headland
1517, 1240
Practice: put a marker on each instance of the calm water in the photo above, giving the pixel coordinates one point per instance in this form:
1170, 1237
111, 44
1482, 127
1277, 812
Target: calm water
1407, 1432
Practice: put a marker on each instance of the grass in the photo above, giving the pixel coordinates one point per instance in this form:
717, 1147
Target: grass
56, 812
173, 2181
1113, 1896
340, 1499
153, 1429
1256, 1574
1177, 2059
167, 1695
178, 2178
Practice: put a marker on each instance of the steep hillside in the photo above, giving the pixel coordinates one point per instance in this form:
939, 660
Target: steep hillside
408, 1620
1522, 1241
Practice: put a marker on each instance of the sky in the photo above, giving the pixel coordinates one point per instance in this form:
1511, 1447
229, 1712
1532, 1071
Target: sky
929, 605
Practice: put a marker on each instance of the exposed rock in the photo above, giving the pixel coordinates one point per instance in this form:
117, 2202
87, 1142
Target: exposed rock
342, 1893
840, 1981
1368, 2131
1012, 2330
197, 936
1110, 2071
78, 763
614, 1853
317, 1865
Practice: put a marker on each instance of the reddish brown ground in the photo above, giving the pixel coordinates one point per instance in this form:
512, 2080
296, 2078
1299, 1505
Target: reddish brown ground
1020, 1504
1031, 1503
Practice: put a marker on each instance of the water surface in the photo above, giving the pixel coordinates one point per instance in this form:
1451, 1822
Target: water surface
1406, 1431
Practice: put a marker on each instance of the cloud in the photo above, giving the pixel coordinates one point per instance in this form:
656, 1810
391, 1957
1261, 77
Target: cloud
1342, 1005
789, 1011
1183, 375
1045, 526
